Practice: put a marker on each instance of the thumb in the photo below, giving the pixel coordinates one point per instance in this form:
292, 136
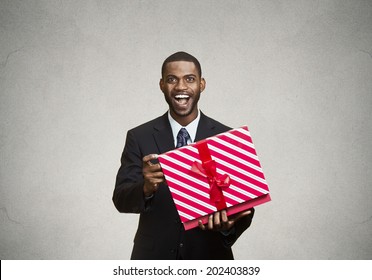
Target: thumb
241, 215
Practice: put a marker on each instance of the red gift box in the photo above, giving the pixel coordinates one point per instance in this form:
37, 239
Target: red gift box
220, 172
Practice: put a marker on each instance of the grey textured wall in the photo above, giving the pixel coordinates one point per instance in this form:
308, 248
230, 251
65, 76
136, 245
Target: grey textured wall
76, 75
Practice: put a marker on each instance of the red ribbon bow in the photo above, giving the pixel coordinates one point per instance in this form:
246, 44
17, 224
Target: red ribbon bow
208, 170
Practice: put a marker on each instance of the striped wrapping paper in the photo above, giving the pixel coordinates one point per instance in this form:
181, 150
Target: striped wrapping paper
235, 155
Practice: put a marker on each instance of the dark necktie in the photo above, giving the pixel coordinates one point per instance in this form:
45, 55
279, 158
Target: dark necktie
182, 137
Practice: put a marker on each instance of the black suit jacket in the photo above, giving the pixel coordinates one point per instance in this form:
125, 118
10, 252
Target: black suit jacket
160, 233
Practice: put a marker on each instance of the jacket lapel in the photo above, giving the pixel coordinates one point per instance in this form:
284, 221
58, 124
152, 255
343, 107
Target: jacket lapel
163, 134
205, 128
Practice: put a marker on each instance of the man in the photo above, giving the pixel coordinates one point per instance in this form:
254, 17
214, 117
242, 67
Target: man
140, 184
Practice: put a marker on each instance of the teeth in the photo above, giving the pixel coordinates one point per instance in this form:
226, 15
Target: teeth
180, 96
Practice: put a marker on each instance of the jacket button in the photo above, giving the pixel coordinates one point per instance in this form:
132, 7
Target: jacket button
181, 245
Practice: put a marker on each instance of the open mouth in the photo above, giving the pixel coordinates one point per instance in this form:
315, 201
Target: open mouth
182, 99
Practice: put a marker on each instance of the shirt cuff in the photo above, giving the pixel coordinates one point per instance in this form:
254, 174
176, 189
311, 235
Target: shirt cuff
147, 198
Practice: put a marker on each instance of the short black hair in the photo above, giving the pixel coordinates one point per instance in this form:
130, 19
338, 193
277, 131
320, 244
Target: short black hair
181, 56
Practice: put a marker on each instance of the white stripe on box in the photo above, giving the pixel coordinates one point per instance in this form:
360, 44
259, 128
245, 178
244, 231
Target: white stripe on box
193, 199
191, 208
228, 155
245, 182
180, 163
186, 156
231, 146
240, 140
239, 190
226, 164
188, 217
233, 197
244, 131
195, 190
182, 174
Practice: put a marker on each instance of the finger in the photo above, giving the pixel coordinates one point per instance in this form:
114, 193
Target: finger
224, 218
157, 181
225, 223
217, 220
154, 183
245, 213
201, 226
147, 159
241, 215
150, 167
210, 222
155, 175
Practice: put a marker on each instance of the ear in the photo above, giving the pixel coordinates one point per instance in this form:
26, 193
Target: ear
161, 85
202, 84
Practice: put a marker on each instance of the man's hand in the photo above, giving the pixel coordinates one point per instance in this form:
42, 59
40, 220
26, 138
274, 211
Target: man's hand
220, 222
152, 174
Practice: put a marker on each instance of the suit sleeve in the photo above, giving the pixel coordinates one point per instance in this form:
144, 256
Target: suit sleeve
128, 194
239, 227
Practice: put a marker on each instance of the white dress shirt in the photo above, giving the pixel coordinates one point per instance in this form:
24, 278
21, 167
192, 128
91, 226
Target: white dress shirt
191, 128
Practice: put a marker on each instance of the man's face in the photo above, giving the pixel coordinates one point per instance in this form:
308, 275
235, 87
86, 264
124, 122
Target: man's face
182, 85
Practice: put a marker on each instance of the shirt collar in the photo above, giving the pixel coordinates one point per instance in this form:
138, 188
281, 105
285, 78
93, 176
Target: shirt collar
191, 127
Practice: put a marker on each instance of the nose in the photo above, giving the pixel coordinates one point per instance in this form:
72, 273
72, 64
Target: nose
181, 85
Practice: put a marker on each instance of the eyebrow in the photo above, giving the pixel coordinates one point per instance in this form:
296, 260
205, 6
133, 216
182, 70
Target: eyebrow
173, 75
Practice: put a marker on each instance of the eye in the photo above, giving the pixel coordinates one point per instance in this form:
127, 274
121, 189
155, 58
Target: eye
171, 80
190, 79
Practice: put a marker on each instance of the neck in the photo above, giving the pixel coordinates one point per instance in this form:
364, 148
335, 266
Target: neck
184, 120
